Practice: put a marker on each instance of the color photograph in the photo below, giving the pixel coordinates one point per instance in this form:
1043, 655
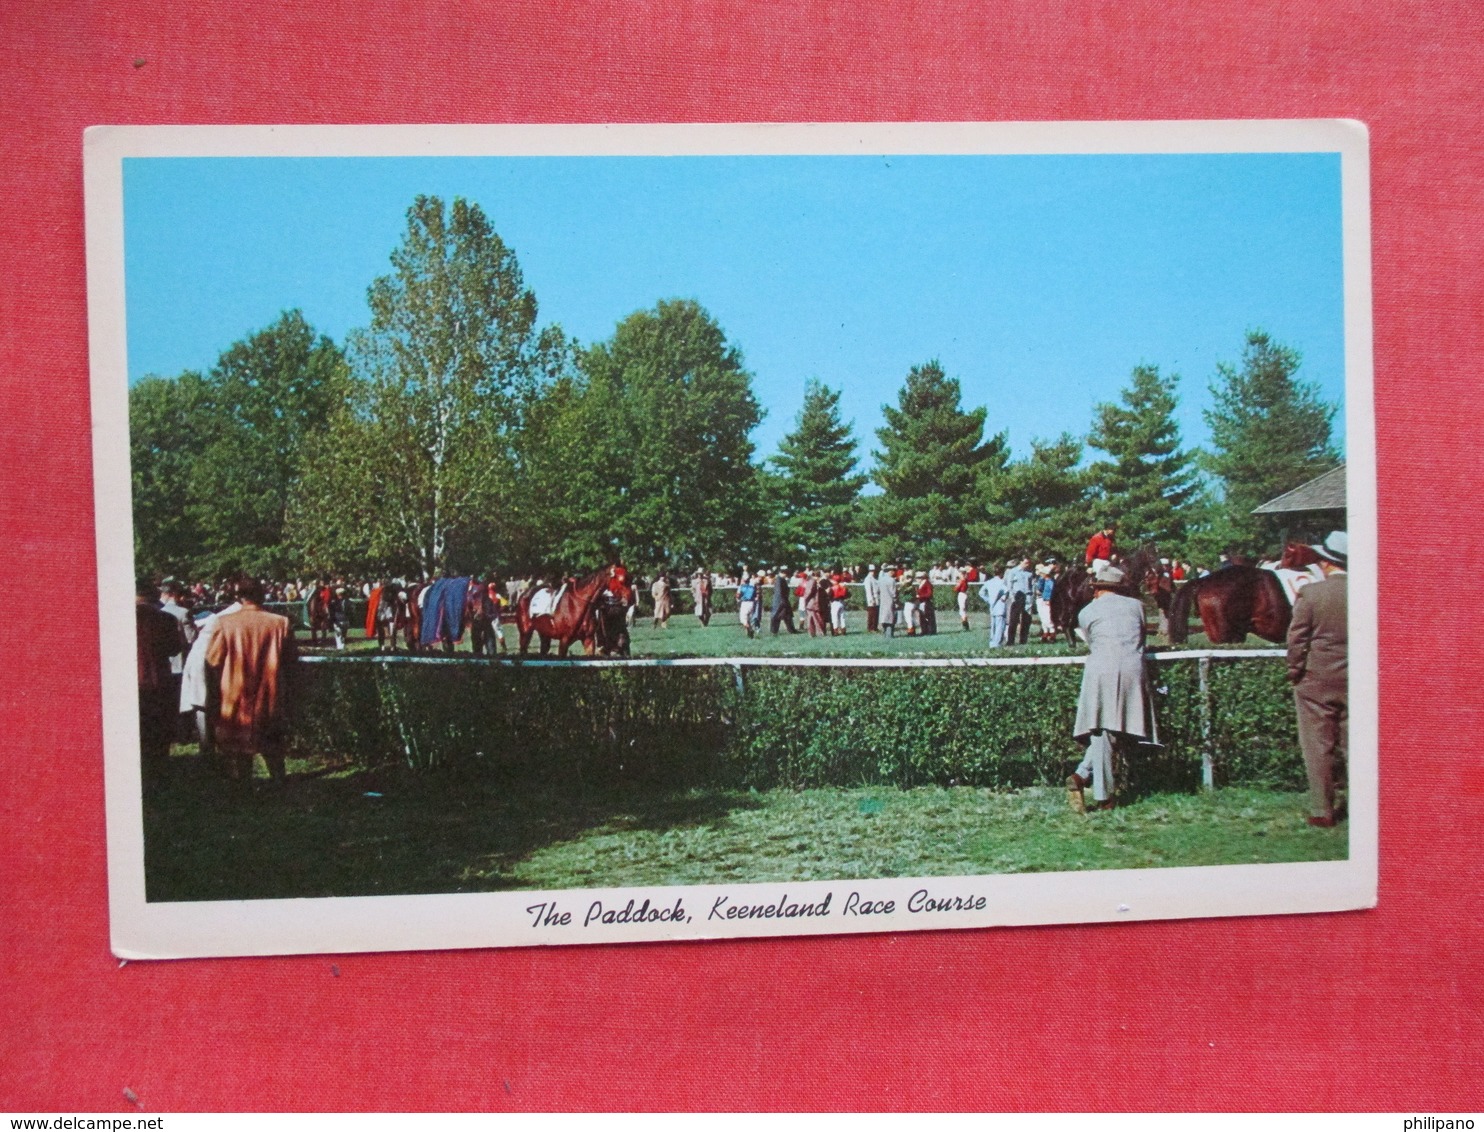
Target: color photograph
713, 532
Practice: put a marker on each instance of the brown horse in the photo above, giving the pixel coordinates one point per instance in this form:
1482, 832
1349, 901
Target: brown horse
572, 620
1297, 556
1073, 590
1240, 599
1233, 602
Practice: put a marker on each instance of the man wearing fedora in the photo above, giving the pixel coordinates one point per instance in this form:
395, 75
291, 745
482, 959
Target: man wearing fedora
1115, 708
1021, 584
1318, 649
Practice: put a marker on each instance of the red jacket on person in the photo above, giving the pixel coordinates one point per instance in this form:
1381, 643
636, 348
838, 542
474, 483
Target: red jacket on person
618, 581
1099, 546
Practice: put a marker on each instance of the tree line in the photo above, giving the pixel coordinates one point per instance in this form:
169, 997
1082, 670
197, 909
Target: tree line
455, 433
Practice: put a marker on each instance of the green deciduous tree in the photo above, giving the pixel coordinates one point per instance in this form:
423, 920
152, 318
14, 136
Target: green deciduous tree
1148, 484
817, 490
215, 458
931, 465
418, 465
1270, 432
270, 398
646, 455
166, 419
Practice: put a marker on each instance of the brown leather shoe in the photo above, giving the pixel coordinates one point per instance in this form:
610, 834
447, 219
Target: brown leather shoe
1074, 794
1322, 823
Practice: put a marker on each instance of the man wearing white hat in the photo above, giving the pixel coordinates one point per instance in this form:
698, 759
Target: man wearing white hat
1318, 655
1115, 707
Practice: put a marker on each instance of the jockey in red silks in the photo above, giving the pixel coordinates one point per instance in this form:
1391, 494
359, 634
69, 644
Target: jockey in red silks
1100, 547
618, 582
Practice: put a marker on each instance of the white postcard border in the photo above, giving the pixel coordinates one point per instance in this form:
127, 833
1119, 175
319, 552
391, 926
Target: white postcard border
467, 920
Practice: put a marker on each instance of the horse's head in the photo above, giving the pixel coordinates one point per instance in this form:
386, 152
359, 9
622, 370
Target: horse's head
1143, 571
586, 590
1297, 556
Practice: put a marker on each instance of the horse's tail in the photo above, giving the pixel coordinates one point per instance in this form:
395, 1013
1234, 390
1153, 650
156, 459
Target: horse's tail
1179, 616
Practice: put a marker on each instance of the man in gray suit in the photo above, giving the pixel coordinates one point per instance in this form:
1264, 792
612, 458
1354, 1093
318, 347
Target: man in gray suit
1318, 648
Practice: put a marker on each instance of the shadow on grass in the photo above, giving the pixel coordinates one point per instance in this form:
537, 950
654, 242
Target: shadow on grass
383, 832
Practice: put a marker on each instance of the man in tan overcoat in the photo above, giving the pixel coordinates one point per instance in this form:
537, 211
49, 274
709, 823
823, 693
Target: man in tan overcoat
1318, 650
250, 653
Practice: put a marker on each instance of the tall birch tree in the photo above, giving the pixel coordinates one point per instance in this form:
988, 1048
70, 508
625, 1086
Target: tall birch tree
416, 466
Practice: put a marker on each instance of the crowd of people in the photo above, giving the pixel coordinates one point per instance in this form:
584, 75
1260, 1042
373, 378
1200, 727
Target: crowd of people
896, 598
213, 662
222, 680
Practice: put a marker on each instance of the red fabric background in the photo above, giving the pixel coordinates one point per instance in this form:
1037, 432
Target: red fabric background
1377, 1010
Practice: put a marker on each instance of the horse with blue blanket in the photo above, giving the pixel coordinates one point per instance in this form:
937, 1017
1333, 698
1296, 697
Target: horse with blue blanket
443, 613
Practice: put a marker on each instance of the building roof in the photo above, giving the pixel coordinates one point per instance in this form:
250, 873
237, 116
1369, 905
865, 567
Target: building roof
1323, 493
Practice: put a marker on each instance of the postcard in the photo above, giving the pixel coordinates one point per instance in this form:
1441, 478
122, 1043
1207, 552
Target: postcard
586, 534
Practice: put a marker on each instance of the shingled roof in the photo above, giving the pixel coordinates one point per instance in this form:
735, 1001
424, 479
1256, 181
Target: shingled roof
1324, 493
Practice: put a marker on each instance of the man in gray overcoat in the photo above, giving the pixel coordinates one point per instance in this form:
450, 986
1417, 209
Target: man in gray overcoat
886, 616
1318, 655
1115, 709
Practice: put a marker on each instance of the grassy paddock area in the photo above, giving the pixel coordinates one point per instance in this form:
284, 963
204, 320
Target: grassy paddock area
340, 831
684, 636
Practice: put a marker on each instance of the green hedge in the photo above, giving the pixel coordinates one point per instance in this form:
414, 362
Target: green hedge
1254, 729
542, 720
767, 727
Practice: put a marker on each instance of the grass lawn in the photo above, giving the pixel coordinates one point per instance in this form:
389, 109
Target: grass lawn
684, 636
349, 833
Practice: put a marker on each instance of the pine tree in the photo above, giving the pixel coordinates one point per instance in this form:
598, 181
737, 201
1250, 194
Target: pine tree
1038, 505
818, 488
930, 468
1148, 486
1269, 433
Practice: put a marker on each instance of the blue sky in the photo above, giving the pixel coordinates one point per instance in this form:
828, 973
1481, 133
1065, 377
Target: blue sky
1038, 281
